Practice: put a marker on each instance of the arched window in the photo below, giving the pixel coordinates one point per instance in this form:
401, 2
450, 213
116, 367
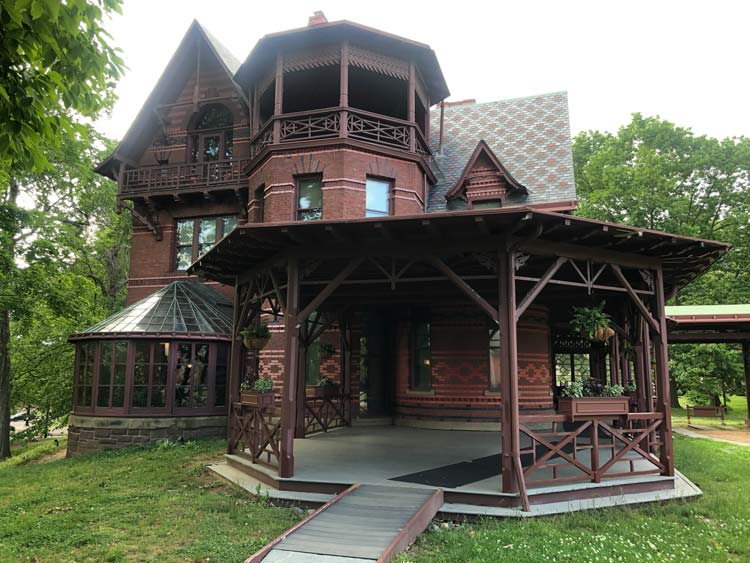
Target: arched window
211, 137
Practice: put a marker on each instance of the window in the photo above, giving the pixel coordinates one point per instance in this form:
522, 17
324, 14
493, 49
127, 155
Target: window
85, 369
222, 368
310, 198
420, 353
572, 367
219, 143
486, 204
150, 375
191, 377
495, 359
113, 365
377, 197
195, 237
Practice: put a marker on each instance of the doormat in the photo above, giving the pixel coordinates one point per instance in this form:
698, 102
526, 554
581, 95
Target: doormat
457, 474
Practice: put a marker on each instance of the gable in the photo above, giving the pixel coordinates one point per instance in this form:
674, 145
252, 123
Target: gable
196, 48
485, 178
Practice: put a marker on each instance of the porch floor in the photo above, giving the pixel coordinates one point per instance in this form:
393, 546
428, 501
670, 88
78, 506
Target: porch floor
411, 457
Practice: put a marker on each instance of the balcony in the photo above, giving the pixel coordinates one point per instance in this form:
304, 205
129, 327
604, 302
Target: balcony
199, 177
340, 122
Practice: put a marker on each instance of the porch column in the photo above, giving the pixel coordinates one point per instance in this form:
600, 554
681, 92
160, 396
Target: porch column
746, 363
638, 366
301, 379
291, 363
278, 101
508, 371
647, 365
345, 327
235, 363
411, 105
662, 378
344, 89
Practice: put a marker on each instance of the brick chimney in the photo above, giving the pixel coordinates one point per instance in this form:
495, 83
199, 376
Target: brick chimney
316, 19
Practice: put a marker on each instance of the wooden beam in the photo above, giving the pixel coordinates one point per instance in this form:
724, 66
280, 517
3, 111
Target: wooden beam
634, 297
291, 364
465, 287
662, 379
330, 288
577, 252
276, 290
539, 286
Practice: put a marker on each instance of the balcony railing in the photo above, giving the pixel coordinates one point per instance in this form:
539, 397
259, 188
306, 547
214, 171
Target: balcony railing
330, 123
181, 177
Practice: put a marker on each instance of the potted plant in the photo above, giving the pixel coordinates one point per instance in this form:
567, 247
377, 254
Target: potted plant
255, 337
592, 323
259, 394
585, 400
327, 387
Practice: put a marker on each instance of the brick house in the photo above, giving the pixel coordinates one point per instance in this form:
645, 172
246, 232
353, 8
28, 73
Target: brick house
417, 262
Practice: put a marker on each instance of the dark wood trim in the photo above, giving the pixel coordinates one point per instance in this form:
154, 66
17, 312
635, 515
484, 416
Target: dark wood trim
330, 288
532, 294
291, 365
662, 379
645, 313
469, 291
413, 527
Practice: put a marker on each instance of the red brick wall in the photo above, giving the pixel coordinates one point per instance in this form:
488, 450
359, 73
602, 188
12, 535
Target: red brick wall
344, 172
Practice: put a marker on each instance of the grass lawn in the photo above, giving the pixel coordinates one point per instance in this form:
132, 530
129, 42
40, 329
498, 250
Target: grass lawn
147, 504
735, 418
715, 527
159, 504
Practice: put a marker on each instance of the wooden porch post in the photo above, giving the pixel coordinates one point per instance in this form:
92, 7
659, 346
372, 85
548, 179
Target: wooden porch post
278, 103
662, 378
411, 105
647, 369
508, 371
344, 89
345, 327
301, 379
638, 366
291, 362
746, 363
235, 364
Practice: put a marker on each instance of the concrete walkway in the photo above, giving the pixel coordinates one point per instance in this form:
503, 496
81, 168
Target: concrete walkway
692, 434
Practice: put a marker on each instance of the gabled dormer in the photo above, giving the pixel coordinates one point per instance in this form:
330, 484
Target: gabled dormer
485, 182
190, 137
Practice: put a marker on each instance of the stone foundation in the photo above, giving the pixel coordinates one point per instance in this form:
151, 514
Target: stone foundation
90, 434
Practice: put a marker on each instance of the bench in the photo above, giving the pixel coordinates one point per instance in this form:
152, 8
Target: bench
705, 412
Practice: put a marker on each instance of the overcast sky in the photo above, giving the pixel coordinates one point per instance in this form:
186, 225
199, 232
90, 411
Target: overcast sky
684, 61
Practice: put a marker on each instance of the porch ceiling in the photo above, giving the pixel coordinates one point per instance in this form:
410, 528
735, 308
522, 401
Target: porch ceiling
256, 245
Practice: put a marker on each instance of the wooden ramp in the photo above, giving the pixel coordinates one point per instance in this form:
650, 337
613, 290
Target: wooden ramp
364, 523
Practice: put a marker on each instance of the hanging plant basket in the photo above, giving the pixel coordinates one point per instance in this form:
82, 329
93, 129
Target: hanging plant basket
255, 342
602, 334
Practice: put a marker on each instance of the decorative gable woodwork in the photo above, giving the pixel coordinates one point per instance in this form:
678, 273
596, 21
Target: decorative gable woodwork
485, 179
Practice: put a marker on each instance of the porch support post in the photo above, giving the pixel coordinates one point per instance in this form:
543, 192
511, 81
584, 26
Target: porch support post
634, 296
638, 365
746, 364
508, 372
344, 89
301, 379
278, 100
326, 292
291, 363
662, 378
528, 299
410, 107
345, 329
235, 365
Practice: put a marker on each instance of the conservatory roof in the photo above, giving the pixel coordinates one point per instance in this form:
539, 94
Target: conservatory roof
180, 309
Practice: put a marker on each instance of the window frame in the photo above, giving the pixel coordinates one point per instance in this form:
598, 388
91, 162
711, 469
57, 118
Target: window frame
195, 243
389, 198
127, 384
297, 184
150, 365
94, 345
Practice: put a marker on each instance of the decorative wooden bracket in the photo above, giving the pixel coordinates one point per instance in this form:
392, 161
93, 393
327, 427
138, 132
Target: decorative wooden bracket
539, 286
329, 289
151, 223
466, 288
636, 300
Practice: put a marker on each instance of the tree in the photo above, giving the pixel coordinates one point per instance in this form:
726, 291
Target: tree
656, 175
56, 69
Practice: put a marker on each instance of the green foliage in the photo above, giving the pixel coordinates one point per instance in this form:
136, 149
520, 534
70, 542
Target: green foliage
327, 382
154, 503
572, 389
613, 391
256, 331
586, 320
56, 66
703, 372
263, 385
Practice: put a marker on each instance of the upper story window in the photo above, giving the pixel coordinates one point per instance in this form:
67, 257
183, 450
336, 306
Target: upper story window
195, 237
212, 137
310, 198
486, 204
377, 197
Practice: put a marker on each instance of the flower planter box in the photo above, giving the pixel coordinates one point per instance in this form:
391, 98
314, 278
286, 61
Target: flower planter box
326, 392
255, 342
587, 407
257, 399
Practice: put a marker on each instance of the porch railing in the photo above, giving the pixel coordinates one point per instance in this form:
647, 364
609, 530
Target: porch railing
178, 177
557, 450
324, 413
255, 433
341, 122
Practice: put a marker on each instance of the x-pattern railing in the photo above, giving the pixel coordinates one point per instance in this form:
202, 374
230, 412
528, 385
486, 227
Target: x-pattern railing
563, 451
379, 131
255, 432
325, 413
310, 127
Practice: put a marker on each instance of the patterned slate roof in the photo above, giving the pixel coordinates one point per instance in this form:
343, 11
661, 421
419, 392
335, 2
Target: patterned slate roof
181, 307
530, 136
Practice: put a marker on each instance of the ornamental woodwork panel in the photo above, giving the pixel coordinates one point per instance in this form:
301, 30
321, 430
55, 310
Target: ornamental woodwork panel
377, 62
305, 59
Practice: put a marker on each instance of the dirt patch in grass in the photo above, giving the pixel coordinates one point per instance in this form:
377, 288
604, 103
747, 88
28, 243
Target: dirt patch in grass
742, 436
55, 456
